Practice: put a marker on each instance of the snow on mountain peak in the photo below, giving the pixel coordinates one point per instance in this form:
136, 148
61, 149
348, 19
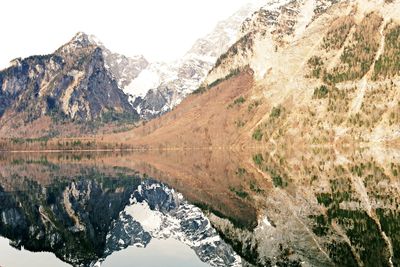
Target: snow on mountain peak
80, 40
162, 86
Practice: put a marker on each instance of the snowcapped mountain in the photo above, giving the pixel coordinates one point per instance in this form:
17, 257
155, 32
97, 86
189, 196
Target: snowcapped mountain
161, 86
157, 211
333, 56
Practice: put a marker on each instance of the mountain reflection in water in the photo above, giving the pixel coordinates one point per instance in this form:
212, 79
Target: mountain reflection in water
256, 208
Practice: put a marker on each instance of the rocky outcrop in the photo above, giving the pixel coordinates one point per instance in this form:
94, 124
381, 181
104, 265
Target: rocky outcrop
275, 25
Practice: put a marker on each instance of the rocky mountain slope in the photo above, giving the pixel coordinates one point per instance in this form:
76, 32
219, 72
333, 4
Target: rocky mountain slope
319, 71
78, 82
323, 67
162, 86
123, 69
82, 82
312, 72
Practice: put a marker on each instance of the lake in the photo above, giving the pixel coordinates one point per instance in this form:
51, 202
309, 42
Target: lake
309, 207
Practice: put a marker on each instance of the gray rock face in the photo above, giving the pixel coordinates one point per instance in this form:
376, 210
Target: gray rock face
123, 69
281, 16
72, 83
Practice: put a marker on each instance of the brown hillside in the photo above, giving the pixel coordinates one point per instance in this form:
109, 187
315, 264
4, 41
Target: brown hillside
215, 118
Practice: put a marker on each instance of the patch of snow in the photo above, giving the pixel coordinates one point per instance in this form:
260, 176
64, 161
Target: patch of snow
149, 219
146, 81
264, 222
306, 15
178, 79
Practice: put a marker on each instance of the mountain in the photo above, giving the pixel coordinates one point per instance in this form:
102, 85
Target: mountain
308, 71
79, 82
315, 80
303, 72
162, 86
327, 66
278, 24
83, 87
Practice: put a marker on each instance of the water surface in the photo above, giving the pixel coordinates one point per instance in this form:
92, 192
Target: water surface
318, 207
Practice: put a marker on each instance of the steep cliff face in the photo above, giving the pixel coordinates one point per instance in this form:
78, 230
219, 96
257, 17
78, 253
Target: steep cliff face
73, 84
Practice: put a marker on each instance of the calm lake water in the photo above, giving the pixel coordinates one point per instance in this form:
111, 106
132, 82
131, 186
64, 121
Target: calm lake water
200, 208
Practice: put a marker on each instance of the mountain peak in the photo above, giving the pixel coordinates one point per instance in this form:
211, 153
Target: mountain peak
80, 40
83, 40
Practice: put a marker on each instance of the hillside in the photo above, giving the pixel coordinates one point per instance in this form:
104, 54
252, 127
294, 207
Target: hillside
329, 78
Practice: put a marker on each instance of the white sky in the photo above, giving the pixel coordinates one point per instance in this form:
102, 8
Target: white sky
158, 29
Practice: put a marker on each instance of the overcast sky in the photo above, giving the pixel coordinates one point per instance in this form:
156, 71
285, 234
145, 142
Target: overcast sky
158, 29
